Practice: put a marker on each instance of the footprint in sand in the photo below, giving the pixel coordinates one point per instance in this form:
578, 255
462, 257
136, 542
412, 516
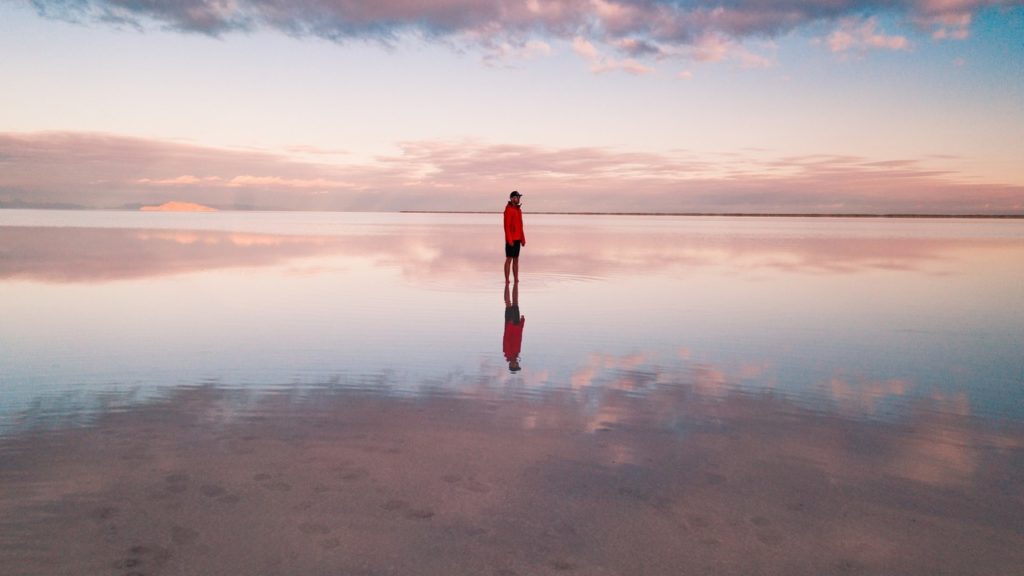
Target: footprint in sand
177, 483
312, 528
265, 480
471, 484
699, 522
407, 511
143, 555
127, 563
212, 490
770, 537
765, 534
104, 513
474, 485
419, 514
562, 565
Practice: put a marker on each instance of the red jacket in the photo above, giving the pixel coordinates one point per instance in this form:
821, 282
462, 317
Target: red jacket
514, 224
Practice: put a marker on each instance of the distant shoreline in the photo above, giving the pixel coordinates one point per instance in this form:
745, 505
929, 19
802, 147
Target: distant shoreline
735, 214
5, 206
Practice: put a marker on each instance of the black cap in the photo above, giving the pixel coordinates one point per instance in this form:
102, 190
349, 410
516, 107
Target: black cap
514, 194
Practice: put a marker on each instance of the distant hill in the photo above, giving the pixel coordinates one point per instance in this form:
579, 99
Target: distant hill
174, 206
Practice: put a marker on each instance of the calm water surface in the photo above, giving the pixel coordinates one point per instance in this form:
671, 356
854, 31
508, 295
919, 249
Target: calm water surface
290, 393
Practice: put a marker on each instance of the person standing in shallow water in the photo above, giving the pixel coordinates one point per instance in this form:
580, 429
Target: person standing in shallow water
515, 238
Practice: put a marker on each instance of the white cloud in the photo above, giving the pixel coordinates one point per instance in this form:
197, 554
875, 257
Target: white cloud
184, 180
246, 181
584, 48
717, 48
600, 64
863, 35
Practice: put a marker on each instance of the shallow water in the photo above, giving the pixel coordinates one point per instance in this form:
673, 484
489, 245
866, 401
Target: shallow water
283, 393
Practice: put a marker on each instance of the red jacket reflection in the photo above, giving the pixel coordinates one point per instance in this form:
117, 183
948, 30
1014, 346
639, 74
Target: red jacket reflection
512, 342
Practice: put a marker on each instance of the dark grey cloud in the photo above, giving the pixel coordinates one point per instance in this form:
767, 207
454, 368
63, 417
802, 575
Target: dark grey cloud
637, 27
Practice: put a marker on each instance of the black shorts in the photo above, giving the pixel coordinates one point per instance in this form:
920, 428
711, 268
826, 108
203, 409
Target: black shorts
512, 314
512, 250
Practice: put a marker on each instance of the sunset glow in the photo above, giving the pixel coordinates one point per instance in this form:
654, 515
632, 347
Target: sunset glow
590, 105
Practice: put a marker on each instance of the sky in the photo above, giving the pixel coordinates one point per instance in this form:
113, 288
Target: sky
760, 106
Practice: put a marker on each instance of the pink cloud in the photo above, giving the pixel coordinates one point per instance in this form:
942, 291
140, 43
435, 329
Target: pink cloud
949, 19
711, 48
250, 181
861, 35
183, 180
600, 64
719, 47
584, 48
97, 170
628, 66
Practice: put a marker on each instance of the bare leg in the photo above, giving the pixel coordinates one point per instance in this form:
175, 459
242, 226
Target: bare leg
515, 270
508, 263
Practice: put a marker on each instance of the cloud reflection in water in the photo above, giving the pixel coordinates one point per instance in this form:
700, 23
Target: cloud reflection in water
561, 247
672, 480
291, 394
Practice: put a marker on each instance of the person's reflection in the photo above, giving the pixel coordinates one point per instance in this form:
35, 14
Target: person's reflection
514, 322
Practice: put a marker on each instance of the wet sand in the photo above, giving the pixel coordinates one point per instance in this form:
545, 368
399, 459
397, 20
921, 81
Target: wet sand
342, 481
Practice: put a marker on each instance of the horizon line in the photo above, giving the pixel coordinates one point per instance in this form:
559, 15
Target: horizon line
734, 214
77, 208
